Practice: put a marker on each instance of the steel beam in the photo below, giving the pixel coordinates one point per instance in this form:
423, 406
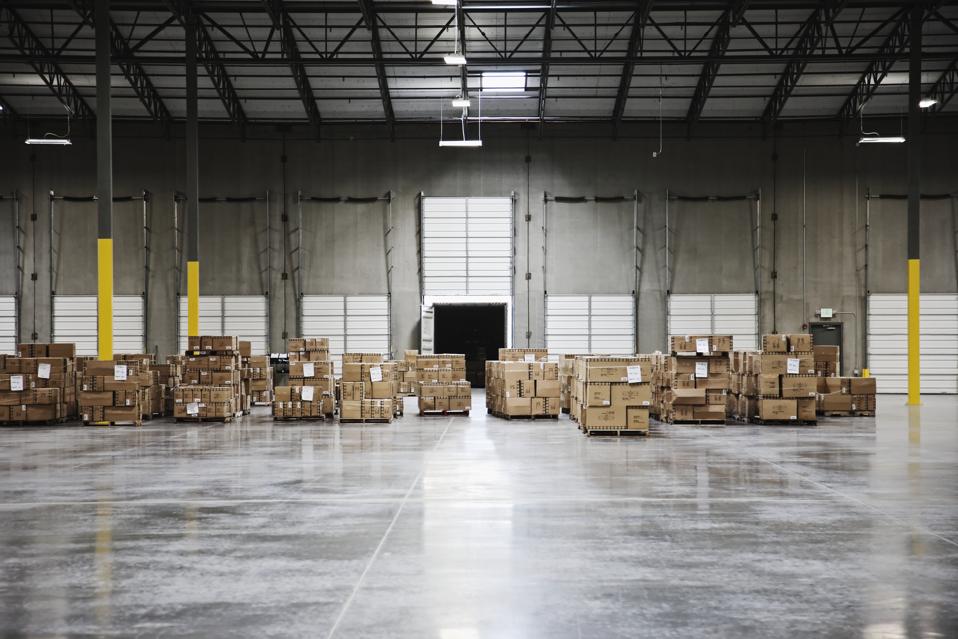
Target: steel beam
104, 179
192, 179
283, 25
546, 54
913, 24
132, 70
369, 15
946, 87
639, 20
813, 33
35, 54
720, 42
213, 63
896, 43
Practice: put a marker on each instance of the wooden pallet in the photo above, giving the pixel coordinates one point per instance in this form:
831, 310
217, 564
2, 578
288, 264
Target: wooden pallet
428, 413
196, 420
365, 421
612, 432
847, 413
523, 417
44, 422
781, 422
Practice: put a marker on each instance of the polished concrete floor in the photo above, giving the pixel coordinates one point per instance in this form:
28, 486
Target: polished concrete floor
469, 528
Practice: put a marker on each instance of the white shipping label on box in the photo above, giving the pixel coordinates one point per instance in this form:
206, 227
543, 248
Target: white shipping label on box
306, 393
529, 357
701, 369
119, 372
376, 373
193, 408
702, 345
793, 368
16, 382
43, 371
634, 374
309, 370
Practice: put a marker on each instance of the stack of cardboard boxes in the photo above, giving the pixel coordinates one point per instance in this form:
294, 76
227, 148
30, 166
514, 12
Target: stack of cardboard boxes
311, 392
827, 360
113, 392
171, 374
406, 372
368, 388
523, 354
566, 380
212, 364
777, 384
692, 384
39, 386
612, 394
847, 396
441, 384
205, 403
154, 387
258, 379
523, 388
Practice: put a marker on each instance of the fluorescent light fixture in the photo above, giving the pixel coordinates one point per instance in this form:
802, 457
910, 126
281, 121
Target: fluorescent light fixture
469, 144
893, 139
460, 103
925, 103
56, 141
445, 3
503, 81
455, 59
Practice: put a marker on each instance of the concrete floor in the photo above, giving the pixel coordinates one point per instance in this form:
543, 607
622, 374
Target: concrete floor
459, 528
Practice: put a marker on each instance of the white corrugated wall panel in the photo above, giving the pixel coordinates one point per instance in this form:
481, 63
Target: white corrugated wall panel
8, 324
888, 342
590, 324
567, 324
246, 316
467, 246
734, 314
75, 320
211, 318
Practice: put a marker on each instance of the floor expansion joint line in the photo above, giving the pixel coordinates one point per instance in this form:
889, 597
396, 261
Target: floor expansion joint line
889, 516
382, 542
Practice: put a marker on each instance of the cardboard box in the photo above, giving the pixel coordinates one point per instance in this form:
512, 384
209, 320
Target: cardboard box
777, 409
351, 409
838, 402
799, 342
806, 409
862, 386
637, 418
688, 396
607, 417
774, 343
631, 394
597, 395
794, 386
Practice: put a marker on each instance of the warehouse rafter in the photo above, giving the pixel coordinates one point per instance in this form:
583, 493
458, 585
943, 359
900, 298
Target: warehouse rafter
589, 61
132, 70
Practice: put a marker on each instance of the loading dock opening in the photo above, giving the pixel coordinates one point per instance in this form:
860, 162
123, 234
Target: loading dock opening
477, 330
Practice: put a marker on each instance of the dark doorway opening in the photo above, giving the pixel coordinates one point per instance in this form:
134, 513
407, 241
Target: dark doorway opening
476, 330
830, 334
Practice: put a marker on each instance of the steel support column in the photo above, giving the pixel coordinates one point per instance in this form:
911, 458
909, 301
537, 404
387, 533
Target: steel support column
192, 183
914, 205
104, 183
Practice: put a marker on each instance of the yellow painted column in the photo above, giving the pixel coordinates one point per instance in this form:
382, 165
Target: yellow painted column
104, 298
193, 298
914, 332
